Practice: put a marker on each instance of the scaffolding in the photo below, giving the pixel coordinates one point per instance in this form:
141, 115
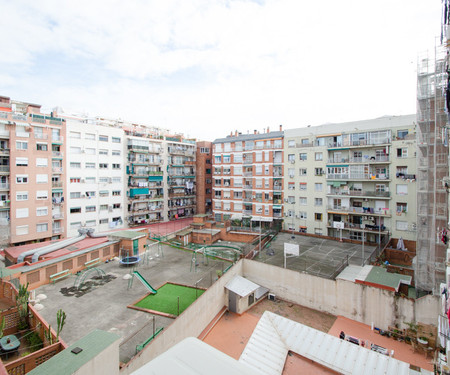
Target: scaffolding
432, 167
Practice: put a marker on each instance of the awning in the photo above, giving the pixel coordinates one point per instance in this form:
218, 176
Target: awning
336, 183
337, 166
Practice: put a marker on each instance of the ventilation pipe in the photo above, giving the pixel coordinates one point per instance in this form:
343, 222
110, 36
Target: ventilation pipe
50, 248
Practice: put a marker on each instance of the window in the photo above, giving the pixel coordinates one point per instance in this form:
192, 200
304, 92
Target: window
42, 178
318, 156
75, 165
42, 227
303, 201
75, 225
291, 143
89, 136
204, 150
401, 225
90, 209
318, 216
41, 162
76, 135
291, 199
303, 156
103, 180
401, 134
42, 211
115, 139
291, 172
116, 166
21, 230
116, 193
103, 193
303, 215
291, 158
402, 189
318, 187
277, 143
21, 162
305, 141
402, 208
318, 231
41, 147
42, 194
21, 145
75, 180
22, 179
318, 172
103, 221
115, 152
75, 210
402, 152
103, 165
90, 194
21, 212
318, 202
103, 152
90, 223
116, 205
302, 171
118, 180
75, 150
90, 180
302, 186
259, 156
89, 151
75, 195
378, 188
103, 138
22, 196
87, 165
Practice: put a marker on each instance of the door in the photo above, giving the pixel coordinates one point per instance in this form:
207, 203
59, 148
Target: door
135, 247
232, 298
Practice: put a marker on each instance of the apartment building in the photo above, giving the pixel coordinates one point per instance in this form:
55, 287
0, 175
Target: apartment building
95, 175
204, 177
248, 176
354, 180
181, 171
32, 175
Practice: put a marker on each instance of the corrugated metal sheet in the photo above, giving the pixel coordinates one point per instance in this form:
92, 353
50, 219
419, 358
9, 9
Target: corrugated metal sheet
241, 286
275, 335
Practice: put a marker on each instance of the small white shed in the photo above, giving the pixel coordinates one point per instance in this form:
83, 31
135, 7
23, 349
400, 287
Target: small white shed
243, 293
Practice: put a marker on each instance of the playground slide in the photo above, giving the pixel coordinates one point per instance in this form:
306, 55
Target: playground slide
145, 282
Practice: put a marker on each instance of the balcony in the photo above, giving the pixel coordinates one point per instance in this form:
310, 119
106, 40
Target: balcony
4, 151
57, 139
56, 185
360, 227
278, 188
4, 134
370, 211
358, 176
40, 136
57, 170
57, 155
5, 204
370, 159
4, 185
361, 193
58, 216
335, 160
57, 230
247, 212
4, 168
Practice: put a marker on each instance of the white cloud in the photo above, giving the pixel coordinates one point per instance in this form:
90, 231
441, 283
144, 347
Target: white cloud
207, 67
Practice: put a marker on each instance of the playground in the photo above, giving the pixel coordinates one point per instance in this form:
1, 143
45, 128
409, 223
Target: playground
169, 300
97, 298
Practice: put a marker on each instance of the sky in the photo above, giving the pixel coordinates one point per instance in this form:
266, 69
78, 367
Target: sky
209, 67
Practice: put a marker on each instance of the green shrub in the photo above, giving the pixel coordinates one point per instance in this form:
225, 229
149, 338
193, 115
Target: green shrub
35, 342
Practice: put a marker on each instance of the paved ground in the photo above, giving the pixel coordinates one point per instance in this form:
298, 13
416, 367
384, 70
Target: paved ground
104, 305
318, 256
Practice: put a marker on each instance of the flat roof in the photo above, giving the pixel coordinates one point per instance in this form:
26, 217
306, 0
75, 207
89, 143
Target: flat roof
249, 137
241, 286
127, 234
67, 362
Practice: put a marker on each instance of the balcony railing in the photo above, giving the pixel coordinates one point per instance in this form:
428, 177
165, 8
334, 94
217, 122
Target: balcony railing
4, 185
57, 138
57, 230
360, 210
58, 216
370, 159
57, 184
57, 169
4, 168
4, 151
357, 176
57, 154
361, 193
40, 136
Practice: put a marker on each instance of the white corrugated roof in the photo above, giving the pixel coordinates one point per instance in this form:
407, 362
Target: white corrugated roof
241, 286
274, 336
349, 273
194, 357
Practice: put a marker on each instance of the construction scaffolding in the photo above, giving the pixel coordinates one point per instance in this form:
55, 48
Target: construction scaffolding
432, 167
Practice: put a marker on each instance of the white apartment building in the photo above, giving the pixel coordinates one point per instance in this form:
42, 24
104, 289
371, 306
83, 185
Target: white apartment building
95, 165
352, 179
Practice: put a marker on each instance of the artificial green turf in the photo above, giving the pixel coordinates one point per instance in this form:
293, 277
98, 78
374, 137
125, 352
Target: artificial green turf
166, 300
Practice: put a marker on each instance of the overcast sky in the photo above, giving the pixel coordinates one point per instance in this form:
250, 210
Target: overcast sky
208, 67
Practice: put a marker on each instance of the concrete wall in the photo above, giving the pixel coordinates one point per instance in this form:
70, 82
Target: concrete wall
190, 323
355, 301
104, 363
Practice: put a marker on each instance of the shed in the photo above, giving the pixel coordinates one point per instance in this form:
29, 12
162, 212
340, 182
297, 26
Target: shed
243, 293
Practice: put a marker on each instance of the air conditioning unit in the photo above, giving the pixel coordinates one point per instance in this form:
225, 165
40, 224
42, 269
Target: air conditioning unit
83, 181
271, 297
292, 161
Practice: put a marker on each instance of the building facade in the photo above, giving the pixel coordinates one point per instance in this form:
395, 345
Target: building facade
32, 175
352, 180
248, 177
204, 177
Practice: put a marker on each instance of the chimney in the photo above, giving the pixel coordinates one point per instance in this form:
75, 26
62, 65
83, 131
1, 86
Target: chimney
268, 130
281, 128
231, 134
254, 131
235, 133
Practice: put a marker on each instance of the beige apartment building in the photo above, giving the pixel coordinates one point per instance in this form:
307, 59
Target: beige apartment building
354, 180
32, 173
248, 177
